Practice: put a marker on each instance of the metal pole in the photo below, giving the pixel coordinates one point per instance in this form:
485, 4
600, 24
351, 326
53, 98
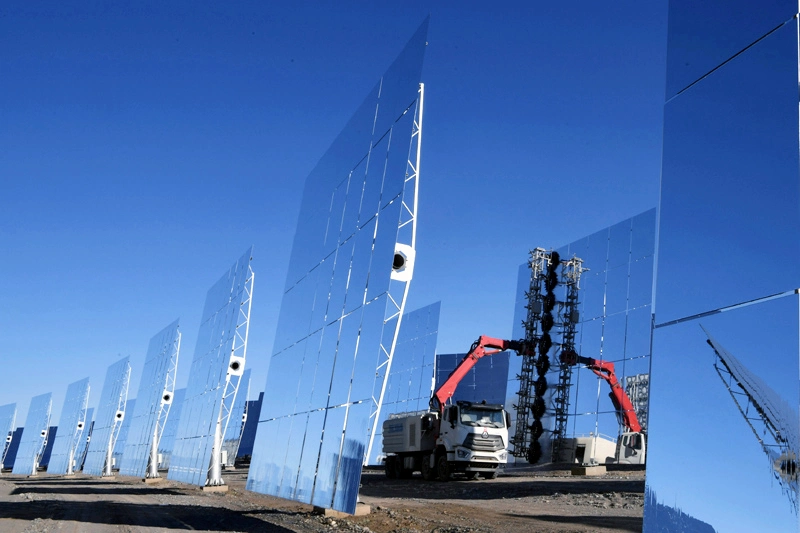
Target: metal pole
153, 469
71, 459
215, 475
109, 453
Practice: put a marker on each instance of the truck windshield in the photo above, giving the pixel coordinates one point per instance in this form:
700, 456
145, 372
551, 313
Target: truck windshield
482, 418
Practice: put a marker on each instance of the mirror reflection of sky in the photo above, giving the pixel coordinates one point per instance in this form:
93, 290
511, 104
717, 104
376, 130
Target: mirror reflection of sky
702, 456
156, 143
728, 218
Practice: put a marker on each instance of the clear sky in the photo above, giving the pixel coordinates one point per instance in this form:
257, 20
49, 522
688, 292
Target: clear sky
143, 149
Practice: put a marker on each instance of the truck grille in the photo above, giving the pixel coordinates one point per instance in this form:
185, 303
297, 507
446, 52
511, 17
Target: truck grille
476, 442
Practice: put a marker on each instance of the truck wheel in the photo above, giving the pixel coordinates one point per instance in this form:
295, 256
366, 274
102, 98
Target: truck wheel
428, 471
399, 471
389, 467
443, 468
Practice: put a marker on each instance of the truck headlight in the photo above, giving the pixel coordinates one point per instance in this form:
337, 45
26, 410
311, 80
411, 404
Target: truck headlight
462, 454
504, 456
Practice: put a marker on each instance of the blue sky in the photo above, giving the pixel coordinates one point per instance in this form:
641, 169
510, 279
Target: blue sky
144, 149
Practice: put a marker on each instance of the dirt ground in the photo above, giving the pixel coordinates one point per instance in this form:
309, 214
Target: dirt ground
521, 500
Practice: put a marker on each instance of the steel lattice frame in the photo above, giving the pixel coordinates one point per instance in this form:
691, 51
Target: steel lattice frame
112, 439
778, 443
165, 407
232, 380
406, 235
522, 433
637, 388
571, 271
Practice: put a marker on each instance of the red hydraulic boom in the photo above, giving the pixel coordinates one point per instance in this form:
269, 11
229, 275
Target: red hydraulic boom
480, 348
619, 398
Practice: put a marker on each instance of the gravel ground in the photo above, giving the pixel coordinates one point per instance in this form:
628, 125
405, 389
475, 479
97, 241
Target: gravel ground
522, 500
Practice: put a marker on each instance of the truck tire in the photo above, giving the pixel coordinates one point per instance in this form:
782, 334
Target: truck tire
428, 471
389, 467
443, 468
399, 471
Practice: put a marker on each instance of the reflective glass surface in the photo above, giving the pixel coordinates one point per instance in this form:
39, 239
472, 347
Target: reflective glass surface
71, 427
11, 453
8, 417
151, 410
614, 324
31, 445
222, 329
729, 183
48, 448
338, 323
702, 35
167, 441
233, 436
83, 443
108, 420
723, 341
410, 384
124, 433
487, 380
692, 401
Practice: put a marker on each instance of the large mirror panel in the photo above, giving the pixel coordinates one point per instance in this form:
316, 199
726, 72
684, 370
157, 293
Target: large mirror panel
729, 190
739, 397
702, 35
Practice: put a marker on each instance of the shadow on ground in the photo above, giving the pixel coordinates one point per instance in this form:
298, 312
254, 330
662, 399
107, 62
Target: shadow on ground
83, 489
633, 524
377, 485
190, 517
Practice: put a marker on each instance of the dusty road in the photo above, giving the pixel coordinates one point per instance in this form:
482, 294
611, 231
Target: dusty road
520, 501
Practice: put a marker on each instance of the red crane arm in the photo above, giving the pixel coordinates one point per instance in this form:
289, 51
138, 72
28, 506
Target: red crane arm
481, 348
619, 398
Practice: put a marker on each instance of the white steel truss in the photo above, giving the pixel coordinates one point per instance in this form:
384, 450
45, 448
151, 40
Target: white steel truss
406, 235
164, 406
118, 419
232, 380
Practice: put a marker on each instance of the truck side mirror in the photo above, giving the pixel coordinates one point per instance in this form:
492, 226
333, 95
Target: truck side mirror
508, 419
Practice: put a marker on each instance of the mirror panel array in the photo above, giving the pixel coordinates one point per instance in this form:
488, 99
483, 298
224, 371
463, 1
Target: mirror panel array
167, 441
486, 381
110, 416
729, 198
614, 324
214, 377
83, 444
410, 384
153, 402
34, 436
233, 436
71, 427
8, 417
349, 273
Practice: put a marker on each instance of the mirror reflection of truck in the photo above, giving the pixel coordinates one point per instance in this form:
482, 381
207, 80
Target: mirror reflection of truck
467, 437
631, 447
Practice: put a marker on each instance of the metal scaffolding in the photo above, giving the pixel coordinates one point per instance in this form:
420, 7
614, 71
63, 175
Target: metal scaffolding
550, 324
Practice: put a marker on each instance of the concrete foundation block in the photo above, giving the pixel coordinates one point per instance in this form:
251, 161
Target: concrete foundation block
215, 488
362, 509
588, 470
